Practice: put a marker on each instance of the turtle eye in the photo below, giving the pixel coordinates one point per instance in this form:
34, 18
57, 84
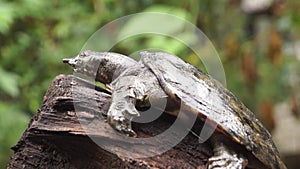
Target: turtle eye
84, 54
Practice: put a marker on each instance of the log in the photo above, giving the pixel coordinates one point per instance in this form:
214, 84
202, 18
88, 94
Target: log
70, 124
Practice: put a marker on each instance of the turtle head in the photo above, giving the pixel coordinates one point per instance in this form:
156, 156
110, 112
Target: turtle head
101, 66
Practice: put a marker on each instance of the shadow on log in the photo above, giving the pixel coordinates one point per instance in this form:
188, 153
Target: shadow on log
58, 136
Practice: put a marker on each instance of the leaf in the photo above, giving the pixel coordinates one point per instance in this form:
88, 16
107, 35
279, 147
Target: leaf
12, 124
32, 8
175, 45
9, 83
158, 19
6, 17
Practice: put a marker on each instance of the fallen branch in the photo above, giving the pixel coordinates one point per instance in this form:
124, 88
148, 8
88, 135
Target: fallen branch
57, 136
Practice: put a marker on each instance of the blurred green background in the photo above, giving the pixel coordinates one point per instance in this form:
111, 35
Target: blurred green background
258, 49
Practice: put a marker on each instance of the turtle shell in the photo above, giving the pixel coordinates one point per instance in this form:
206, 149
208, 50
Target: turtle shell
209, 99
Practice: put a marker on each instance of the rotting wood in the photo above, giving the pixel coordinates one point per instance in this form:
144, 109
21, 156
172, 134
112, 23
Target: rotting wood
56, 139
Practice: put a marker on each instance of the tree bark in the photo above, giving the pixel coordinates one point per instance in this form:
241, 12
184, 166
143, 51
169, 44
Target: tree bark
58, 136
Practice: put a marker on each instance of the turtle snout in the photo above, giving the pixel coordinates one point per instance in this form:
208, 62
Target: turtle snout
66, 60
71, 62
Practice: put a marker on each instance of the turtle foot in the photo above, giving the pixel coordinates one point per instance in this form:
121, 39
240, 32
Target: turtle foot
119, 116
121, 124
224, 159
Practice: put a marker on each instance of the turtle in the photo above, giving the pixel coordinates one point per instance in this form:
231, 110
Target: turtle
240, 139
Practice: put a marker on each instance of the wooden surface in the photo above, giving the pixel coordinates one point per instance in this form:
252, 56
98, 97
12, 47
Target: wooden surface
56, 138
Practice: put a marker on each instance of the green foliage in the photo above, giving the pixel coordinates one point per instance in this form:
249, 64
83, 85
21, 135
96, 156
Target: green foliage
9, 83
12, 125
6, 17
158, 41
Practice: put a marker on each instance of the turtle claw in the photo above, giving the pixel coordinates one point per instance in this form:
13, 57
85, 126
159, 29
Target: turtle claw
119, 116
121, 124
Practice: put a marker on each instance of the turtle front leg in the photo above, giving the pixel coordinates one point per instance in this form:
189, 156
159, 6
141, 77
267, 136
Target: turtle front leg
120, 114
224, 158
122, 109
